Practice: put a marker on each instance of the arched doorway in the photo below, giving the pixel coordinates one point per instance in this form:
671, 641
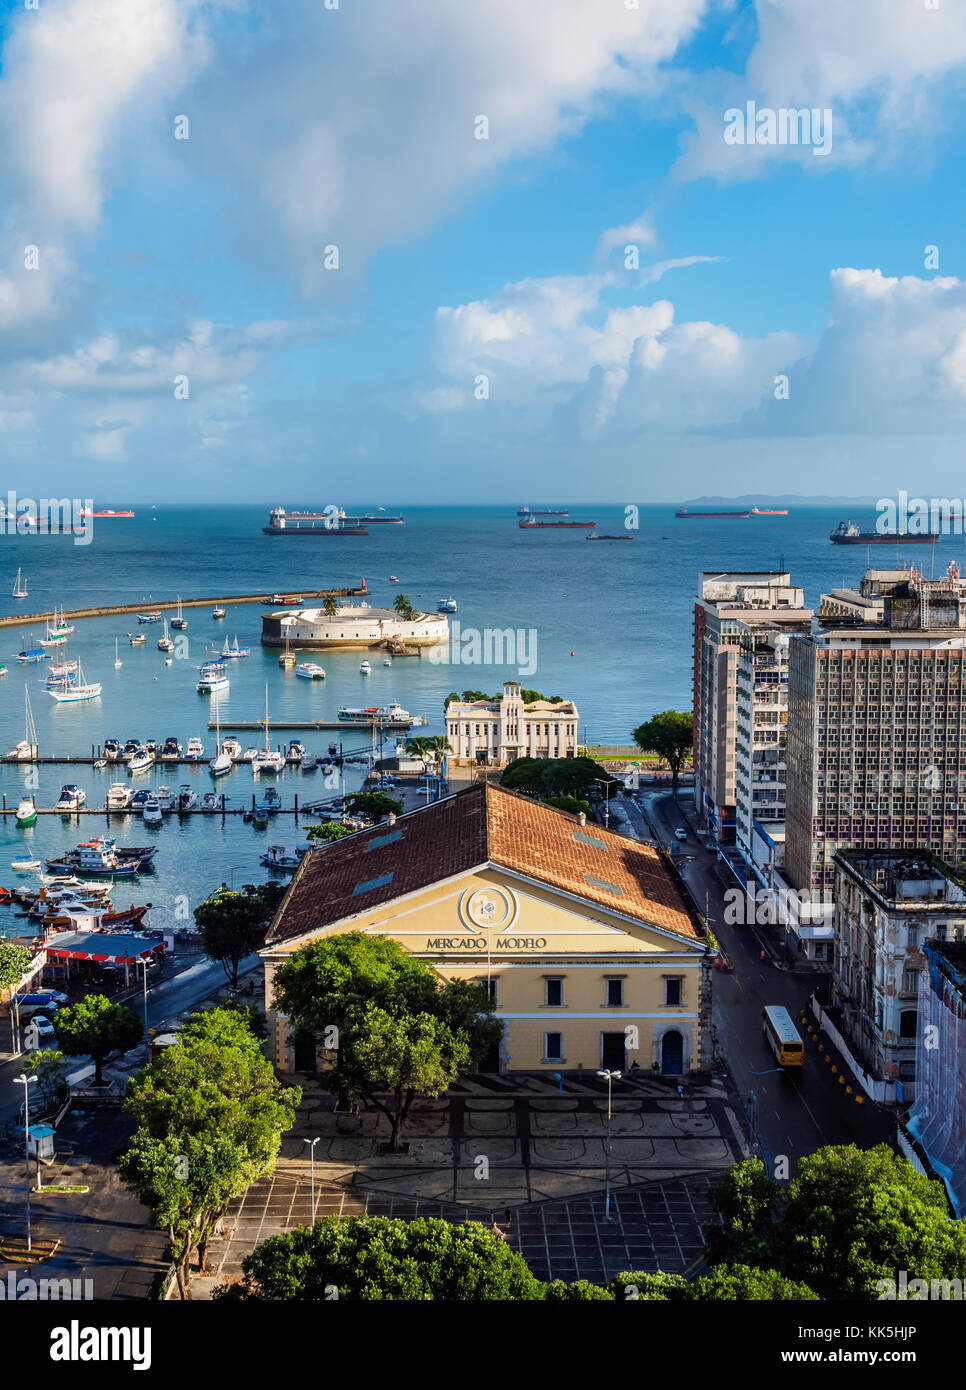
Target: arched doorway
672, 1053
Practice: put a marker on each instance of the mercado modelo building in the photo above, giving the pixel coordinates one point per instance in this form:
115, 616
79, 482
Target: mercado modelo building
591, 956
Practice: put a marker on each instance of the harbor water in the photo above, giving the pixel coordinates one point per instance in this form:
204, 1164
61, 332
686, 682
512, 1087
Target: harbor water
606, 624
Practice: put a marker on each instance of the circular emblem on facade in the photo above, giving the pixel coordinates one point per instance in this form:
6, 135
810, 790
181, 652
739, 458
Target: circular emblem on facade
487, 909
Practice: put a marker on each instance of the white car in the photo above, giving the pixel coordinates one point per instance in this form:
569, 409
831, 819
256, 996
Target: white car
45, 1029
680, 833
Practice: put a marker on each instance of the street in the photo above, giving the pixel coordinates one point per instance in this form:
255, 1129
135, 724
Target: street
792, 1113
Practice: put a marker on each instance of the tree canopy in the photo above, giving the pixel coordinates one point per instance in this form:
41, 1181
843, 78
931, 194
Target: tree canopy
670, 735
389, 1026
327, 832
555, 777
210, 1116
375, 805
233, 925
529, 697
15, 961
848, 1218
374, 1258
95, 1028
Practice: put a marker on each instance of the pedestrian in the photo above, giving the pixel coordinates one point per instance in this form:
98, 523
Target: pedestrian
680, 1091
509, 1218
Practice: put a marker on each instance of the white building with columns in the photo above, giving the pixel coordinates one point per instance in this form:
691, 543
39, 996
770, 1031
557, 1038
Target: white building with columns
494, 732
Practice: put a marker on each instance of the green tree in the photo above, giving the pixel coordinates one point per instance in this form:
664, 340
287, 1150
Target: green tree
422, 748
50, 1068
329, 606
572, 804
746, 1283
233, 925
375, 805
15, 961
554, 777
210, 1116
327, 832
373, 1258
668, 734
557, 1291
406, 1057
343, 989
848, 1218
657, 1287
404, 608
95, 1027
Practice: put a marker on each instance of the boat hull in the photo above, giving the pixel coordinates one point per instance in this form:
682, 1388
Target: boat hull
873, 538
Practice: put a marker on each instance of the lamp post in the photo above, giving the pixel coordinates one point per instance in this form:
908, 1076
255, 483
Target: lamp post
231, 874
25, 1081
312, 1143
142, 963
609, 1077
608, 786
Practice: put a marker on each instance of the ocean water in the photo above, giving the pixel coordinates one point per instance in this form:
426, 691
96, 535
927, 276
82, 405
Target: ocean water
607, 625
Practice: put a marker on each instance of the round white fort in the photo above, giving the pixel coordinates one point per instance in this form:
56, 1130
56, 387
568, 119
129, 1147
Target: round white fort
352, 626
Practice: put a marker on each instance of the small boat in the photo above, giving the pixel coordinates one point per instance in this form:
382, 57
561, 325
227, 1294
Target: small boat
287, 659
309, 763
229, 651
393, 579
77, 690
212, 678
232, 747
139, 798
54, 636
267, 760
132, 746
259, 818
142, 761
218, 612
165, 643
195, 751
211, 801
72, 798
269, 801
26, 812
118, 663
153, 617
27, 655
387, 661
112, 749
296, 749
276, 858
187, 799
118, 797
100, 763
152, 811
250, 755
23, 864
138, 639
3, 669
447, 605
19, 587
221, 762
165, 799
58, 677
310, 671
179, 623
365, 668
171, 749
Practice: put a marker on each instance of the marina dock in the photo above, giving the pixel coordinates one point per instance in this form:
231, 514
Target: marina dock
221, 601
308, 725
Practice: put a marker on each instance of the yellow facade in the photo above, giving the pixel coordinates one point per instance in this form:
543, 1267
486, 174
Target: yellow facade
576, 985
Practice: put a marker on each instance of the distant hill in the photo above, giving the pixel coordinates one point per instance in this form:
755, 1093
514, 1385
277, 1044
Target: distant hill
760, 499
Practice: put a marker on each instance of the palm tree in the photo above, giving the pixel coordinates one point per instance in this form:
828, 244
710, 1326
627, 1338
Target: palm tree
329, 606
403, 607
421, 748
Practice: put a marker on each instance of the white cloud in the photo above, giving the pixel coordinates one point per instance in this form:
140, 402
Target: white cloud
639, 233
881, 66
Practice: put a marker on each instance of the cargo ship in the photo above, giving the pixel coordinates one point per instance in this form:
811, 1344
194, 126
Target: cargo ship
109, 511
769, 511
541, 511
847, 533
333, 523
683, 514
594, 537
545, 525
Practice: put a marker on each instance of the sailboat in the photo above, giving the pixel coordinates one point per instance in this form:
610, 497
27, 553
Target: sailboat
287, 658
26, 750
118, 663
55, 637
221, 762
180, 623
80, 690
267, 761
20, 587
165, 643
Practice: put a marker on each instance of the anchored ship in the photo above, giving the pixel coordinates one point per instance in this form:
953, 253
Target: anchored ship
683, 514
332, 522
847, 533
534, 525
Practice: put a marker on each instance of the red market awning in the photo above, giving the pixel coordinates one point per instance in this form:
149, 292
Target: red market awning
106, 948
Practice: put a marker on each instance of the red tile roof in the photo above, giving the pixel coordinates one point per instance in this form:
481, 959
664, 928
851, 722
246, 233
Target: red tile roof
479, 825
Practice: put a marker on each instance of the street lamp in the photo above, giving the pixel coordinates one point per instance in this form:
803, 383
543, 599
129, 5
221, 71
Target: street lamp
608, 1076
143, 962
312, 1143
231, 874
608, 787
25, 1081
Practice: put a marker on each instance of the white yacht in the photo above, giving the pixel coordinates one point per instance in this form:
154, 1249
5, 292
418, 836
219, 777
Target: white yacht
72, 797
26, 812
212, 678
187, 799
195, 751
142, 761
232, 747
152, 811
268, 760
365, 668
119, 797
310, 670
164, 798
220, 764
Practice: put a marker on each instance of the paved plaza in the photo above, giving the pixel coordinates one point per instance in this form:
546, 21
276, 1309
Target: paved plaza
520, 1152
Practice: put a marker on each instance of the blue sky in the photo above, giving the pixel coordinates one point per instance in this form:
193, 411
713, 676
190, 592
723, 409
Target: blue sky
464, 261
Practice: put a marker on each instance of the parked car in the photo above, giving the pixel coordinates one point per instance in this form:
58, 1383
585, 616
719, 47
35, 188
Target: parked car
46, 1032
37, 1010
681, 833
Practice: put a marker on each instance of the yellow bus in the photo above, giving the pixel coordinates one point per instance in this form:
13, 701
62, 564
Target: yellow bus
781, 1035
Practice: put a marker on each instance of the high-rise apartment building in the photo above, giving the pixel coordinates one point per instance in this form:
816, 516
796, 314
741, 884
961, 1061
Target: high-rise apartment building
877, 725
742, 623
